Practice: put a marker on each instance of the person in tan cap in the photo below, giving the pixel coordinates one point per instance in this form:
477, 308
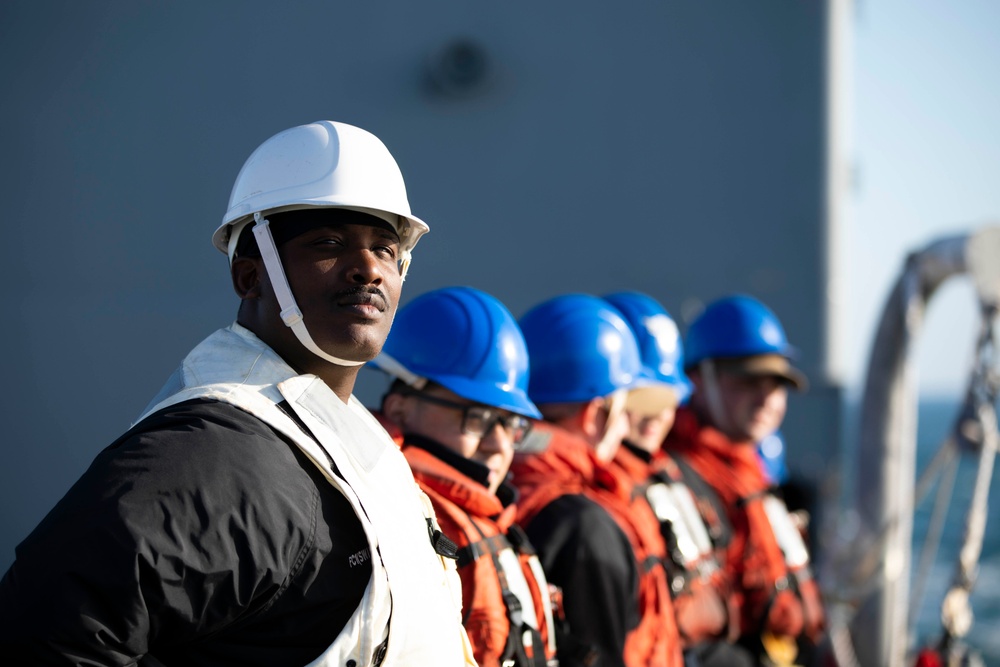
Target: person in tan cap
739, 362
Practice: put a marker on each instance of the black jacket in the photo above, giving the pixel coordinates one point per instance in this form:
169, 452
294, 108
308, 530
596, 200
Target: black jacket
583, 551
200, 537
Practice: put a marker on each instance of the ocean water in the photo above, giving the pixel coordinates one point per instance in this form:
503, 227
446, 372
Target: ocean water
935, 419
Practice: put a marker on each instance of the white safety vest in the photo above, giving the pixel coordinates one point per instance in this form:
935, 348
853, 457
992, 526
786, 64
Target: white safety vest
414, 595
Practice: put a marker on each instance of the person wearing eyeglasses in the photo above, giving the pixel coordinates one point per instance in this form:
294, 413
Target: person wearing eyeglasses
595, 538
459, 409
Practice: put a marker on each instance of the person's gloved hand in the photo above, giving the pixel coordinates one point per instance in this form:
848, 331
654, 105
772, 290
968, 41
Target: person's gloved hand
701, 613
785, 618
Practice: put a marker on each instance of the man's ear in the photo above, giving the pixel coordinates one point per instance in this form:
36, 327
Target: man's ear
246, 273
394, 408
592, 419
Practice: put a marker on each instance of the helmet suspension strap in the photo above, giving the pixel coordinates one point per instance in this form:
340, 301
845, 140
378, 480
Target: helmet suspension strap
713, 395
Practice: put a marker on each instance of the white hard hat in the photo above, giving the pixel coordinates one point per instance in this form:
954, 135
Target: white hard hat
325, 164
322, 164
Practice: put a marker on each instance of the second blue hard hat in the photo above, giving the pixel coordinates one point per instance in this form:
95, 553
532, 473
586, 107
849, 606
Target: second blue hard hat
581, 348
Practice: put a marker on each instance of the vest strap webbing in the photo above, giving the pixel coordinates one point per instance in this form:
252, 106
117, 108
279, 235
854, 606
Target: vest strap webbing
519, 540
524, 643
650, 563
486, 546
442, 544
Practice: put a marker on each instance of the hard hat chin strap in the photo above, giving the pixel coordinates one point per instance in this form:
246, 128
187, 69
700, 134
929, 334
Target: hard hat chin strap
290, 313
713, 395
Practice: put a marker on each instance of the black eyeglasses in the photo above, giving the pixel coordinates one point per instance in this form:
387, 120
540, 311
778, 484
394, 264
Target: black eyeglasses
478, 419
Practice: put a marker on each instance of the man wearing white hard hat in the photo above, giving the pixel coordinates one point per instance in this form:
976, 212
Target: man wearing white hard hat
257, 514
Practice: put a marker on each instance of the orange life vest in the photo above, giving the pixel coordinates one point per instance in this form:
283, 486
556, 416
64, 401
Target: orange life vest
765, 584
569, 466
506, 608
695, 578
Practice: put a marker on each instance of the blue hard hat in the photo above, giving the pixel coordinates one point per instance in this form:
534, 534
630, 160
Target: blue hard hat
466, 341
735, 326
660, 348
581, 348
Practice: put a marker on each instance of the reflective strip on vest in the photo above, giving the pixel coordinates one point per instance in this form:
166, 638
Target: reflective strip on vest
518, 585
692, 517
536, 569
669, 507
786, 533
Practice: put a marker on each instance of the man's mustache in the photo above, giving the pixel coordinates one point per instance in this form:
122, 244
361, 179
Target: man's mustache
363, 294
